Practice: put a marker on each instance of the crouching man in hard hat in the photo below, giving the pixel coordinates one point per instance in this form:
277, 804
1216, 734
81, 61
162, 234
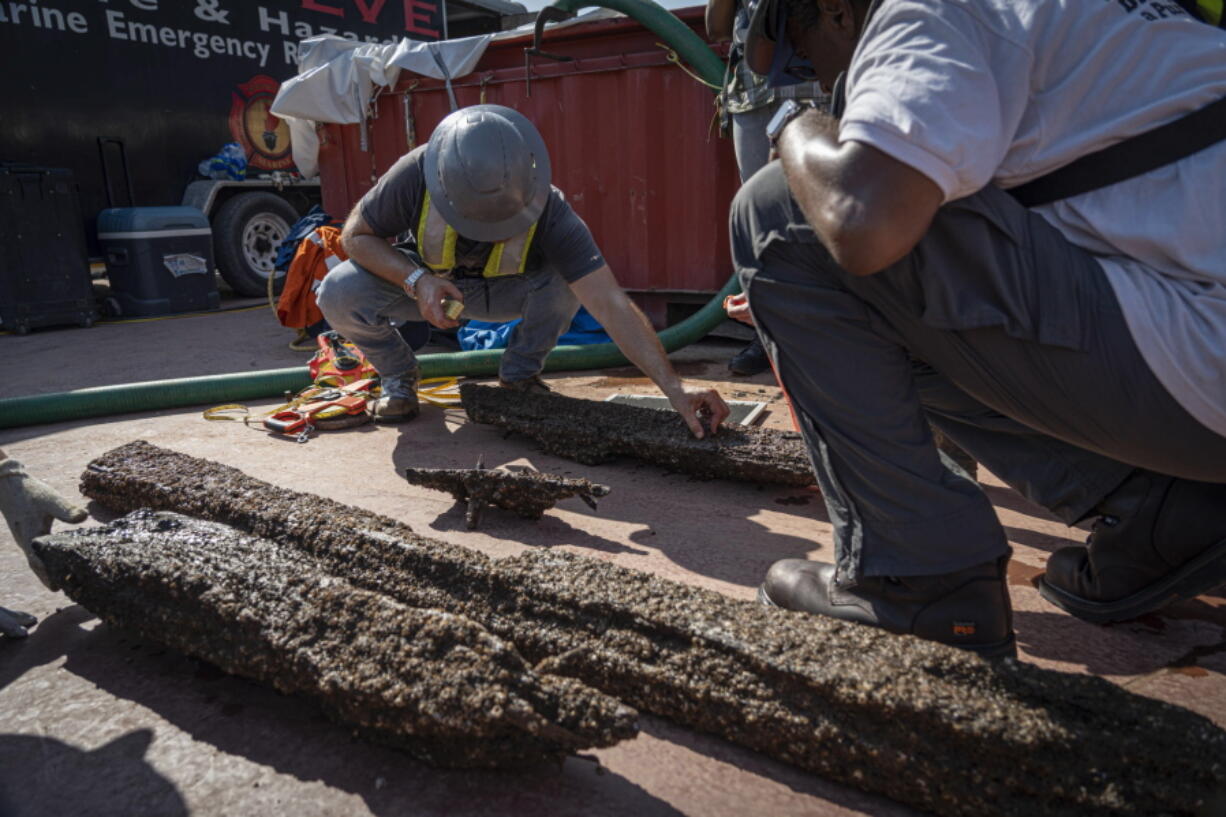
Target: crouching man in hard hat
481, 224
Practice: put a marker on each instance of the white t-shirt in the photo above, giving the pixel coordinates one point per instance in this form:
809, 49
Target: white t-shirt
971, 92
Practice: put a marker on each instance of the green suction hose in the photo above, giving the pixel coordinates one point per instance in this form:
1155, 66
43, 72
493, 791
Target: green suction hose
235, 388
229, 388
659, 20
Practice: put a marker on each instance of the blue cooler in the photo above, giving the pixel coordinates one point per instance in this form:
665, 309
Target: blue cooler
158, 259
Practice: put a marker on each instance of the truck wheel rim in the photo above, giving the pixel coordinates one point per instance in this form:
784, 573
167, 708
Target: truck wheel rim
261, 238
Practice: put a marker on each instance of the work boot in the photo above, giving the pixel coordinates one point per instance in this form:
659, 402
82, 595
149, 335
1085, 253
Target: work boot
528, 385
398, 401
1157, 539
968, 609
750, 360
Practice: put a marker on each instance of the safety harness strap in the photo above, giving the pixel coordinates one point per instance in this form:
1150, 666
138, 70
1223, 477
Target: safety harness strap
1132, 157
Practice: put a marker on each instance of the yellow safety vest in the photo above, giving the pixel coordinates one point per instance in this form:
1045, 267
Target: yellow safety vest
1211, 10
436, 242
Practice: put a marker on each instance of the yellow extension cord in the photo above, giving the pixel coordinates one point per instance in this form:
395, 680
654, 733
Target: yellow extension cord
437, 391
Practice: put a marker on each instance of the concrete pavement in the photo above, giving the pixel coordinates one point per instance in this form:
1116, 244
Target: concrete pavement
94, 721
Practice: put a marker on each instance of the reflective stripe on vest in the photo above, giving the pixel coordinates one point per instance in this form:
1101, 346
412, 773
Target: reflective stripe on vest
330, 260
436, 240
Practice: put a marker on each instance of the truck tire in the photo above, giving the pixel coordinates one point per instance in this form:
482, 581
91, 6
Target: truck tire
247, 231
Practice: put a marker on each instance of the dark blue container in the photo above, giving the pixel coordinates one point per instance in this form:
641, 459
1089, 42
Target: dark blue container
159, 260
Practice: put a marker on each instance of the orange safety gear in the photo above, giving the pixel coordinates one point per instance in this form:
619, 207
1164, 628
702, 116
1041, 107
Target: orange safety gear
318, 253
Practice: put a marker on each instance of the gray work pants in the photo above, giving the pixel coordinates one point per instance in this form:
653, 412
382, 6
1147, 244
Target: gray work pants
994, 328
362, 306
749, 139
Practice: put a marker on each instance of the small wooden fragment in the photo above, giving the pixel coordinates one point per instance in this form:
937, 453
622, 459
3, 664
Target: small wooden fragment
526, 493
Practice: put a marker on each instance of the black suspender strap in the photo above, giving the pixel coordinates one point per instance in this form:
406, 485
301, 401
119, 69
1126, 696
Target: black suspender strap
1132, 157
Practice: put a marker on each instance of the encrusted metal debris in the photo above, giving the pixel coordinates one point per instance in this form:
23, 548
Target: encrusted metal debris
526, 493
432, 683
593, 432
922, 723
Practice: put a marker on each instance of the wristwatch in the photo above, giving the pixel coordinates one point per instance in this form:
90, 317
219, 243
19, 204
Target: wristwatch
789, 110
410, 281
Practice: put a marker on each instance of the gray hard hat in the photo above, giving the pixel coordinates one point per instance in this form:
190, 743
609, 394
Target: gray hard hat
487, 170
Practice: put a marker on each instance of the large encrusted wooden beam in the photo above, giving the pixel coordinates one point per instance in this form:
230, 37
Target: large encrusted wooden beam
922, 723
593, 432
434, 684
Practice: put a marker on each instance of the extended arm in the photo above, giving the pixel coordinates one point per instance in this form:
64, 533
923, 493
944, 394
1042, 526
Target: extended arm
29, 506
373, 253
869, 209
631, 331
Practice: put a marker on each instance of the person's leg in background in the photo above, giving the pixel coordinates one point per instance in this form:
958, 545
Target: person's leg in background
752, 153
749, 139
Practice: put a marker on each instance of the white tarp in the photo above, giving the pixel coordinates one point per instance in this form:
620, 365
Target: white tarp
337, 77
459, 56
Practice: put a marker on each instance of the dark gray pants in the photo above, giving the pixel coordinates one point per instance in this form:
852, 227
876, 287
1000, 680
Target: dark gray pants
996, 330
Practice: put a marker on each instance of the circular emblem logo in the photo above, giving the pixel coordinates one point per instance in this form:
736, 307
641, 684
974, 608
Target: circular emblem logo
264, 137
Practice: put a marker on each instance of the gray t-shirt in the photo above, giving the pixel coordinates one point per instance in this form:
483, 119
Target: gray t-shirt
562, 241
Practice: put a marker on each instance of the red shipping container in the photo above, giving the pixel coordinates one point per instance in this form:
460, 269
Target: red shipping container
631, 136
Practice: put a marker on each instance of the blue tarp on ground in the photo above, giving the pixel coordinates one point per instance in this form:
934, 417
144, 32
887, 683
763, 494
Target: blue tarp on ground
584, 329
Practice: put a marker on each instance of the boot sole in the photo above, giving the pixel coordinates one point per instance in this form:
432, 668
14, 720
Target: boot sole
393, 419
1001, 649
1200, 575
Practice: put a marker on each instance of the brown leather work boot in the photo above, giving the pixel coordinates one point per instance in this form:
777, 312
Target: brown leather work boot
395, 409
1158, 539
968, 609
528, 385
398, 401
751, 360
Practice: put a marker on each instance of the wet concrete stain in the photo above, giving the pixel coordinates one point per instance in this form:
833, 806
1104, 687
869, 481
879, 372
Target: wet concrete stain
594, 432
434, 684
1188, 663
208, 672
922, 723
621, 382
1152, 622
1021, 574
1209, 609
792, 500
526, 493
631, 376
